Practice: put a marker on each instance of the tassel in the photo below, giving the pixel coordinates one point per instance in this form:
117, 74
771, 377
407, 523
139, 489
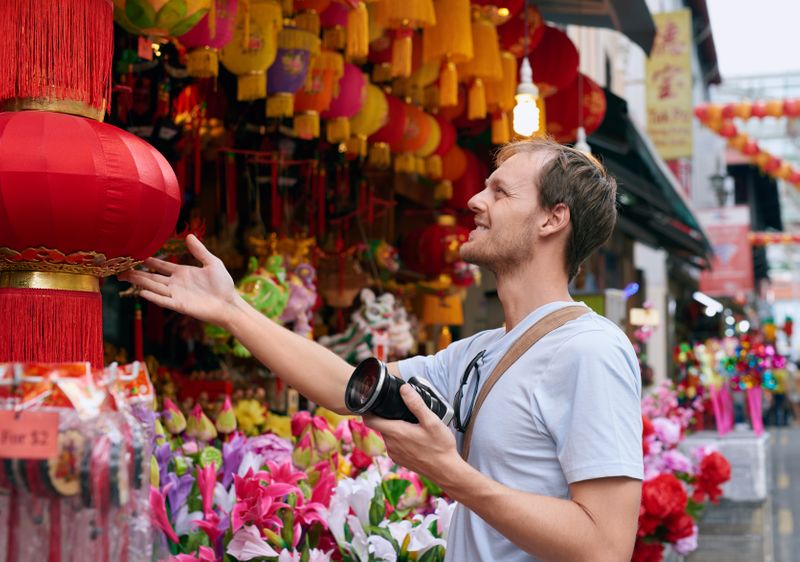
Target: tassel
212, 21
443, 190
306, 125
337, 130
308, 21
357, 32
382, 73
280, 105
501, 132
405, 163
433, 166
380, 156
252, 86
51, 326
401, 53
287, 6
508, 85
334, 38
202, 63
56, 52
421, 168
357, 145
476, 101
138, 334
448, 85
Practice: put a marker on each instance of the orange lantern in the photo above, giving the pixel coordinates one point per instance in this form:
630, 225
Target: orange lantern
326, 71
454, 164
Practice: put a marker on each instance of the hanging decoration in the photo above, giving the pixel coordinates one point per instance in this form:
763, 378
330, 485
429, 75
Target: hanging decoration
206, 38
719, 119
296, 50
563, 120
253, 48
345, 104
512, 33
159, 19
773, 238
316, 96
402, 18
484, 66
448, 45
555, 61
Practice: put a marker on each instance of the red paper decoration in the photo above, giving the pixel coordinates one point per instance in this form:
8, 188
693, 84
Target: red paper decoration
562, 110
555, 61
512, 34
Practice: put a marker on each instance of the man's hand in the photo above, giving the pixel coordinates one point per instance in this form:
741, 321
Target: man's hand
427, 447
206, 292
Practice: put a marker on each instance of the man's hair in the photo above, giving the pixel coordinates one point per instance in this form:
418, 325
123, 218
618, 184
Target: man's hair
579, 181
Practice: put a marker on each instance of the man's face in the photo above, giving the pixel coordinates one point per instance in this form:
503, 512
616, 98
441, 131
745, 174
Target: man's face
505, 211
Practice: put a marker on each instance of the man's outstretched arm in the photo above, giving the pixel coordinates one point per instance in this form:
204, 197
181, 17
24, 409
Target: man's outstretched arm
208, 294
598, 523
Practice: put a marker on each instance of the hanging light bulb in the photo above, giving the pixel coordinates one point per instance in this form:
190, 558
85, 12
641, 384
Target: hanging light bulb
581, 143
526, 112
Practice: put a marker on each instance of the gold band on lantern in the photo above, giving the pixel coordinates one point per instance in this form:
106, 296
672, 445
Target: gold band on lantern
49, 280
71, 107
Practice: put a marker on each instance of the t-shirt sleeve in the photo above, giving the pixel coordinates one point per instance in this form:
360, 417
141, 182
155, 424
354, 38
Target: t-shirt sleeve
589, 403
438, 369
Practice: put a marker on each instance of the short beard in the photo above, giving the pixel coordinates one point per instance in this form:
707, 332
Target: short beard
502, 257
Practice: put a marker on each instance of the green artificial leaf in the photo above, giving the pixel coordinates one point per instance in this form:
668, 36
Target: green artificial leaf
193, 541
170, 15
436, 554
394, 489
432, 488
194, 501
287, 533
209, 455
140, 13
377, 507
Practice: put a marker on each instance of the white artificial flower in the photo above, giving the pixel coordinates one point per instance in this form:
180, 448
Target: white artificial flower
336, 515
250, 460
381, 549
316, 555
444, 511
184, 521
286, 556
398, 529
223, 499
359, 543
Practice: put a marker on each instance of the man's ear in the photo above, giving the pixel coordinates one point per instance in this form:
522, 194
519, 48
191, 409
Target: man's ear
556, 220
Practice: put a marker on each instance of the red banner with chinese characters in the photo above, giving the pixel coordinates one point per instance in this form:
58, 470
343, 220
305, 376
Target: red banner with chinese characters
668, 77
732, 267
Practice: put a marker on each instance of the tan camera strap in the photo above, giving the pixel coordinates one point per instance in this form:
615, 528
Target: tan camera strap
533, 334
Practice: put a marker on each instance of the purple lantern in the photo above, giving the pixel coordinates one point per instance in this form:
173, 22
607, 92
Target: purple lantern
204, 40
288, 73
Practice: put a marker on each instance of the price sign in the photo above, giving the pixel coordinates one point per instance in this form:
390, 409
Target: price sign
28, 435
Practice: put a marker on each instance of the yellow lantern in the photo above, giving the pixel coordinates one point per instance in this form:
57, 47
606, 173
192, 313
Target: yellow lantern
449, 42
372, 115
159, 18
253, 47
403, 16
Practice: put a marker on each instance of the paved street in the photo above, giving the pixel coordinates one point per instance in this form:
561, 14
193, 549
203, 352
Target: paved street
755, 532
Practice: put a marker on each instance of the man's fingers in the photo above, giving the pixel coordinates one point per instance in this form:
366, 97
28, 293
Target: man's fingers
140, 279
415, 403
155, 298
154, 277
199, 251
161, 266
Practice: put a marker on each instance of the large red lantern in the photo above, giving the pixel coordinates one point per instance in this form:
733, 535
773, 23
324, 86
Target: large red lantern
562, 109
468, 185
80, 200
434, 250
555, 61
393, 131
512, 33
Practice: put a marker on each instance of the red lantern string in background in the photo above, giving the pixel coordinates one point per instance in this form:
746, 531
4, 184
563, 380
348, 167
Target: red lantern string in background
555, 61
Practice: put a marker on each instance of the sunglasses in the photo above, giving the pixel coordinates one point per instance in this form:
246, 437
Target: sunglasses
461, 423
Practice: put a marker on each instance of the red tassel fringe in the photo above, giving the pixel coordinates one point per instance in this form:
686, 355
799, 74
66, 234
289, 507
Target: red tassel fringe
56, 50
51, 326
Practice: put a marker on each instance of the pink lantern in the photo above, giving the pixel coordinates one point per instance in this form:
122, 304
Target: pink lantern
345, 104
212, 33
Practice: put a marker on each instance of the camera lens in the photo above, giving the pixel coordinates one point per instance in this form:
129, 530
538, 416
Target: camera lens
365, 385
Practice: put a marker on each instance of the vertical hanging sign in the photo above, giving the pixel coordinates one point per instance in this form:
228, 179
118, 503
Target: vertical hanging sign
668, 76
731, 273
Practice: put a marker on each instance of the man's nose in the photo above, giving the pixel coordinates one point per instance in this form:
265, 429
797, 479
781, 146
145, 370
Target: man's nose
477, 202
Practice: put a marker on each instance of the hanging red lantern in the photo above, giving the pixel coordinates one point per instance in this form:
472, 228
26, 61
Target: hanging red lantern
750, 148
555, 61
728, 130
728, 111
454, 164
562, 110
791, 108
434, 250
81, 199
392, 132
448, 136
759, 109
701, 112
512, 33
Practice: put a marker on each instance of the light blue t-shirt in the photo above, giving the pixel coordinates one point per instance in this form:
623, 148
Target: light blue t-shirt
567, 410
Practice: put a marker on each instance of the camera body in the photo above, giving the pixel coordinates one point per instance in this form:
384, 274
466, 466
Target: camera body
372, 390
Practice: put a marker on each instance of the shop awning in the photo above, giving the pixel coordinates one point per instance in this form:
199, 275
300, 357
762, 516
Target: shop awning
653, 209
630, 17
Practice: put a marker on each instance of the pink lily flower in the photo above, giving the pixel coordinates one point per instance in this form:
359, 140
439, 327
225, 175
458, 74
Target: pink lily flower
205, 554
366, 439
206, 480
285, 473
323, 489
248, 543
302, 454
300, 422
324, 440
256, 503
159, 513
210, 526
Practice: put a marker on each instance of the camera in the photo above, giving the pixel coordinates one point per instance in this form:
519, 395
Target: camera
372, 390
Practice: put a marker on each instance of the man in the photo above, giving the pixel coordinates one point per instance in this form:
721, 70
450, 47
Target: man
555, 467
